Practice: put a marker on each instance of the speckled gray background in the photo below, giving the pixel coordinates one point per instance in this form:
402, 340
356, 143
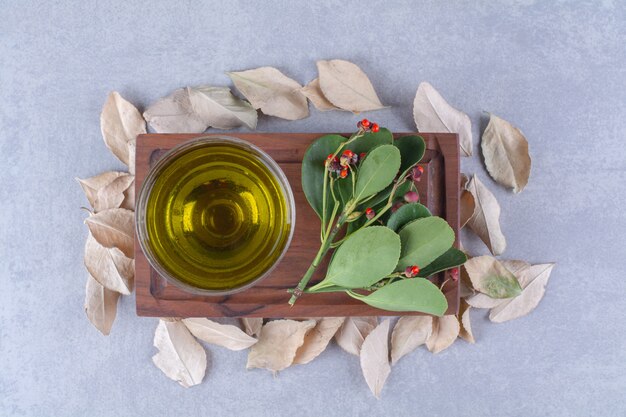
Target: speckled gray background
556, 69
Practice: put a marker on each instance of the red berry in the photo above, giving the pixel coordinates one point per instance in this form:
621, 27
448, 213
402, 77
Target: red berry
420, 169
375, 128
343, 173
348, 153
330, 156
411, 271
454, 272
370, 213
362, 155
411, 197
365, 123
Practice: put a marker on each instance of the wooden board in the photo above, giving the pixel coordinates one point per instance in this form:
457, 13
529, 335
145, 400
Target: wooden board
439, 191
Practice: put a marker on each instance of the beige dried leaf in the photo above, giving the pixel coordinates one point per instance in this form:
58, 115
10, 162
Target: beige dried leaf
506, 154
175, 114
353, 332
486, 219
272, 91
480, 300
316, 341
467, 206
114, 228
252, 326
409, 333
132, 148
109, 266
278, 343
112, 195
120, 123
533, 281
220, 109
346, 86
180, 356
313, 92
445, 331
92, 185
100, 305
432, 113
490, 277
465, 330
374, 358
230, 337
129, 196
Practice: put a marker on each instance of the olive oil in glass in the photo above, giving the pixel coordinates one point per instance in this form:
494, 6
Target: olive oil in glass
218, 215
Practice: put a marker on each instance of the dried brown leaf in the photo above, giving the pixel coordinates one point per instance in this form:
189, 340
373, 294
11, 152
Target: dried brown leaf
252, 326
409, 333
278, 343
375, 358
432, 113
316, 341
100, 305
175, 114
533, 281
346, 86
129, 197
230, 337
506, 154
480, 300
352, 333
467, 207
486, 219
132, 147
180, 356
92, 185
273, 92
445, 331
313, 92
465, 331
120, 123
109, 266
114, 228
220, 109
112, 195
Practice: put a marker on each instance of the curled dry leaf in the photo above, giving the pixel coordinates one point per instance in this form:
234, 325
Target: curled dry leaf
180, 356
92, 185
533, 280
132, 147
432, 113
219, 108
444, 333
409, 333
114, 228
486, 219
353, 332
120, 123
506, 153
252, 326
113, 195
313, 92
129, 197
100, 305
375, 358
278, 343
346, 86
465, 330
175, 114
273, 92
109, 266
230, 337
490, 277
316, 341
467, 205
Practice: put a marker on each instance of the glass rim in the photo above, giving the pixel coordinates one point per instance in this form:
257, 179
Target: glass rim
146, 187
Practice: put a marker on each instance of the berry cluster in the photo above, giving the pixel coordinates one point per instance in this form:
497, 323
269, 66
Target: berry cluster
367, 125
341, 165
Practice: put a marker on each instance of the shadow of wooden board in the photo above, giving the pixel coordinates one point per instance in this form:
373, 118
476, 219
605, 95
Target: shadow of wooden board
155, 297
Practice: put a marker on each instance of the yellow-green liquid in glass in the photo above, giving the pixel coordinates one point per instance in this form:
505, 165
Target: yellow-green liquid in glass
217, 217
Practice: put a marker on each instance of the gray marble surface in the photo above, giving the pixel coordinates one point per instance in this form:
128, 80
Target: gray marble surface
556, 69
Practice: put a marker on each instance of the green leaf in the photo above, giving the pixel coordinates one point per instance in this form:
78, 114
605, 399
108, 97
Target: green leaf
367, 256
377, 171
371, 140
412, 150
313, 171
406, 214
452, 258
383, 196
423, 241
415, 294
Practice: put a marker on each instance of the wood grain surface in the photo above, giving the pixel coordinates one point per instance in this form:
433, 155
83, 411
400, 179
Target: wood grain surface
439, 191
